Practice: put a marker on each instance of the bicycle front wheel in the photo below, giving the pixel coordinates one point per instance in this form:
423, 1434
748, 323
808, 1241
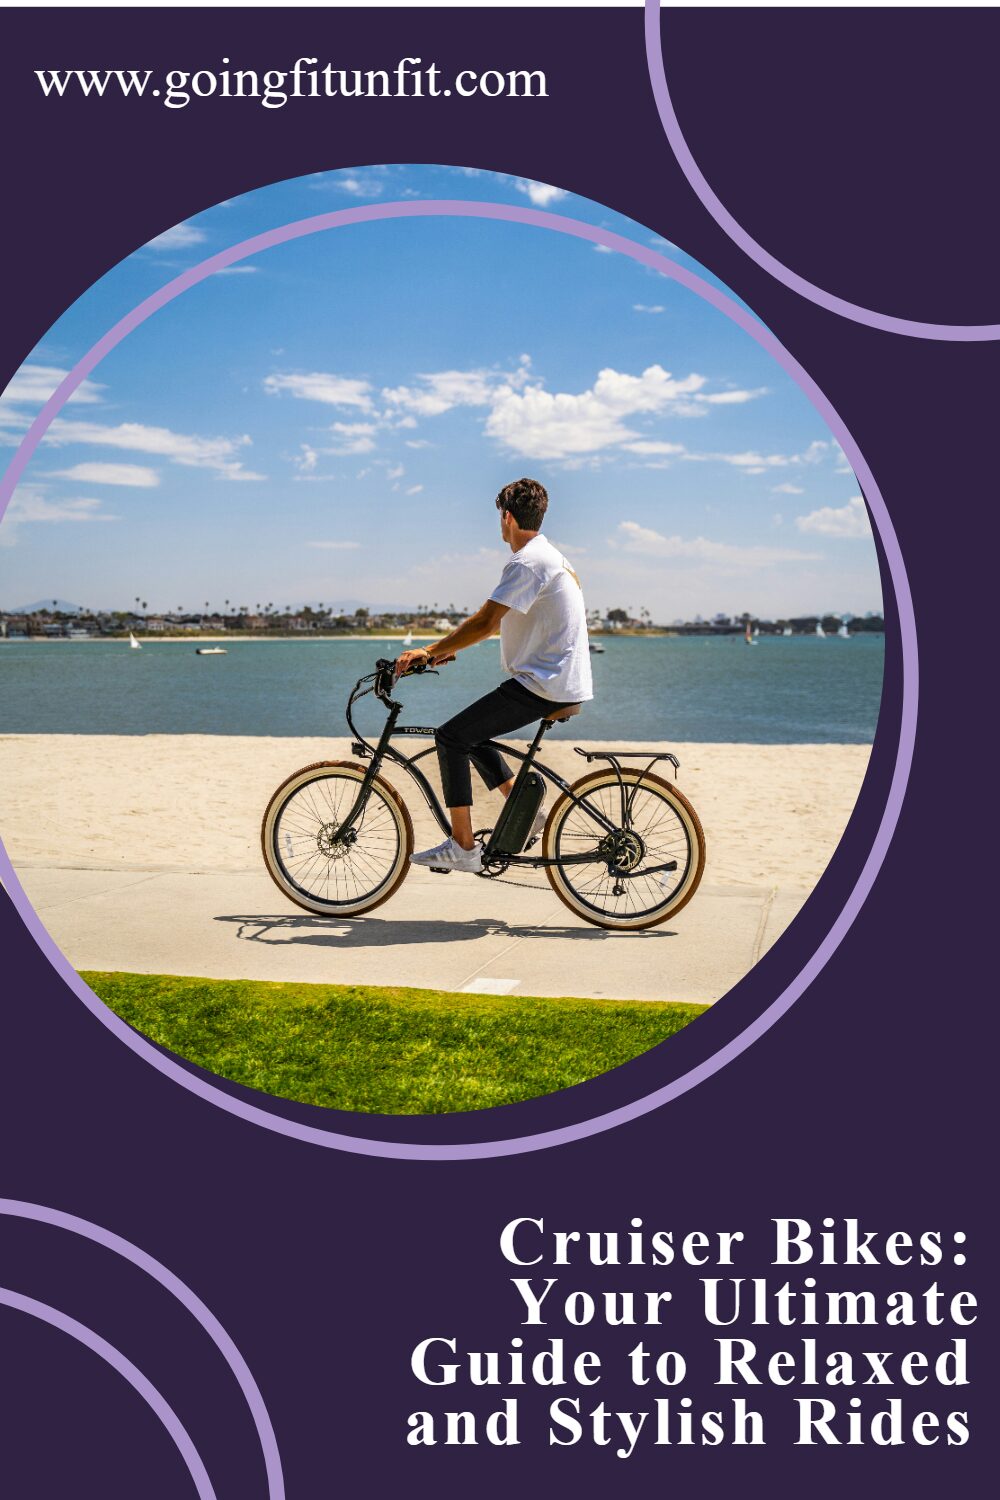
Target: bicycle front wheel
308, 860
615, 888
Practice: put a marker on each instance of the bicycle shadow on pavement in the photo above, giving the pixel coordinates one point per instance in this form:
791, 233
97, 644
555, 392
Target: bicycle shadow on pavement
376, 932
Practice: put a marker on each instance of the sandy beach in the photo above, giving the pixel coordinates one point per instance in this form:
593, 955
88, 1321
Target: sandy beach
773, 814
142, 853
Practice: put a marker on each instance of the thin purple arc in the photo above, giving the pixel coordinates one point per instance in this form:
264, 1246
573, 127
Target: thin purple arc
127, 1370
886, 322
479, 1150
40, 1214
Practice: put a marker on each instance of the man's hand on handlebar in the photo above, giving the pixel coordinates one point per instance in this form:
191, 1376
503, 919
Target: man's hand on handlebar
421, 656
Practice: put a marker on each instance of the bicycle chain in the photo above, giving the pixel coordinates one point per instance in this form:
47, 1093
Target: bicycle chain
527, 885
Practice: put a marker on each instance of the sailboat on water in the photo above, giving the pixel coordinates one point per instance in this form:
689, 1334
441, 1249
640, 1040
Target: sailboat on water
408, 638
133, 642
843, 632
819, 629
749, 637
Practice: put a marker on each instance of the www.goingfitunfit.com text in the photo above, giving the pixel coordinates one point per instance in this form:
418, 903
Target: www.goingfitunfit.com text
409, 78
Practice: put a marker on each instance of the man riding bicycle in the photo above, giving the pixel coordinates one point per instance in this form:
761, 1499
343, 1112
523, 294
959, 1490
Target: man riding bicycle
538, 608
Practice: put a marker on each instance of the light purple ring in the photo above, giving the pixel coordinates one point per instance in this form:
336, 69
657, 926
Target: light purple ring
127, 1370
473, 1150
952, 332
37, 1213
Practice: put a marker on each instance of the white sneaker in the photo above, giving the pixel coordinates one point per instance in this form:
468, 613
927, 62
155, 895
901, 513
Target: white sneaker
538, 826
451, 856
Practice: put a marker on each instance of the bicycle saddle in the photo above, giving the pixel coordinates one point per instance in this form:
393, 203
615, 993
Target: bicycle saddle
568, 711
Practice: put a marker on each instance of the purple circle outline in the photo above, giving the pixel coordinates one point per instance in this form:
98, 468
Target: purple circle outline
127, 1370
38, 1213
539, 218
886, 322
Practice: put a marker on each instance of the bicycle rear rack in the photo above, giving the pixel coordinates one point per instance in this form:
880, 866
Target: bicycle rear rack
615, 756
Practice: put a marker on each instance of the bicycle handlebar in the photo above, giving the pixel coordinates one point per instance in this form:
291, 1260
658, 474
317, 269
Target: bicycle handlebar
381, 682
385, 678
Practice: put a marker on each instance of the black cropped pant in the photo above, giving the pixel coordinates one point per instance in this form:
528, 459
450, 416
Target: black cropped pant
463, 739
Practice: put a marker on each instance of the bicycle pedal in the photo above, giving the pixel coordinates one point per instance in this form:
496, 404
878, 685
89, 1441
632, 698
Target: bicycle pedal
439, 870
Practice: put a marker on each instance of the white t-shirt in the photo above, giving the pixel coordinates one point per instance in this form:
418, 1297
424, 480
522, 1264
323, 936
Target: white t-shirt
543, 637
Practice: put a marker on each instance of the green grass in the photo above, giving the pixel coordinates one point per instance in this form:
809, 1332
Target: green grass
388, 1051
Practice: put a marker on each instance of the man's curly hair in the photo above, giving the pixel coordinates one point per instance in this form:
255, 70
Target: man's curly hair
527, 502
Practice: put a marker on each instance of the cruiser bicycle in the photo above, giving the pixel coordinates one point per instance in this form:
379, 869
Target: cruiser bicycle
621, 847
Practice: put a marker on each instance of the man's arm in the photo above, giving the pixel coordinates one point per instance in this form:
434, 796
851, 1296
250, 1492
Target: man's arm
485, 622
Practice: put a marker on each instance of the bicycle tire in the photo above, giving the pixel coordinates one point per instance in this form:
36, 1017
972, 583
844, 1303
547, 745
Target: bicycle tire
279, 863
590, 905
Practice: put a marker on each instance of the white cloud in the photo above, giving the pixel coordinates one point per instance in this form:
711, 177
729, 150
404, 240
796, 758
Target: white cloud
541, 194
352, 437
752, 462
631, 537
134, 476
651, 449
29, 505
418, 443
541, 424
358, 186
441, 392
307, 460
732, 398
602, 249
13, 422
216, 453
240, 270
336, 546
787, 489
331, 390
368, 182
643, 307
415, 489
33, 385
180, 237
850, 520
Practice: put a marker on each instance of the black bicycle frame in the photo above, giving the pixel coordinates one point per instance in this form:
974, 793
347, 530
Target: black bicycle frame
382, 681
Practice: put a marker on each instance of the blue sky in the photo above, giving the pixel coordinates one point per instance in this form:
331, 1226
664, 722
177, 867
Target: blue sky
332, 421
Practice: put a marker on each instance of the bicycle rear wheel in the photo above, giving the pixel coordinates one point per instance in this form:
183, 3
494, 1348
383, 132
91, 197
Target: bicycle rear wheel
662, 827
313, 866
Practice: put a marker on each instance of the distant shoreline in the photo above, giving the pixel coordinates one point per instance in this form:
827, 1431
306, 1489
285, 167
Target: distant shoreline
421, 635
304, 635
198, 640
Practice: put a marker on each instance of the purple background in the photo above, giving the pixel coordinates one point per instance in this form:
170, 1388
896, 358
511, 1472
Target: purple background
865, 1100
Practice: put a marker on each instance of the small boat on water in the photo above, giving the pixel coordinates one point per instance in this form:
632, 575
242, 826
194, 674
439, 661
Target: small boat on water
843, 632
133, 642
596, 648
787, 630
819, 629
749, 638
210, 651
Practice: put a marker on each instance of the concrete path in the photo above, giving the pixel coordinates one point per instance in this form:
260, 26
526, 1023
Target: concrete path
497, 939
